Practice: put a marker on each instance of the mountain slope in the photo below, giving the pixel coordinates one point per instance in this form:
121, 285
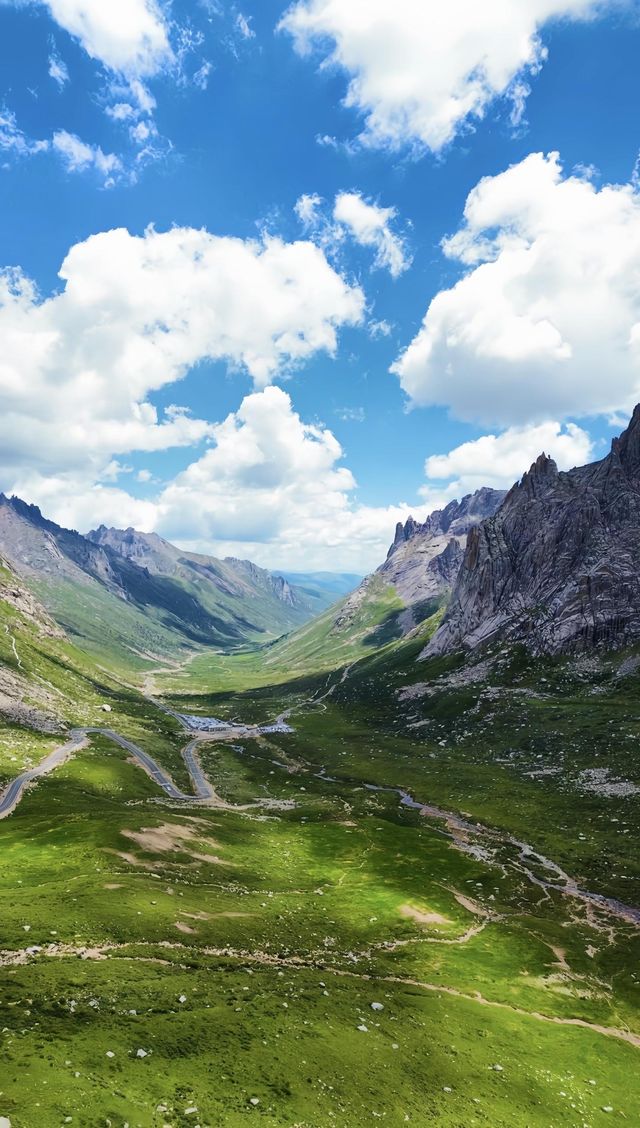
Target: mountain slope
557, 567
131, 614
47, 685
260, 600
423, 561
323, 589
403, 597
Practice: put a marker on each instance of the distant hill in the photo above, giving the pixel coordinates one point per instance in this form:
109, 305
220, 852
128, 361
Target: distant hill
323, 588
133, 599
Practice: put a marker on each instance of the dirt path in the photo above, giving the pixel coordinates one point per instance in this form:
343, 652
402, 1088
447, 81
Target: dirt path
297, 963
14, 647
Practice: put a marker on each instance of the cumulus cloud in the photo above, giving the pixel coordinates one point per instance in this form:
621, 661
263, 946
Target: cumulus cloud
370, 226
420, 69
500, 460
545, 322
272, 489
129, 36
77, 369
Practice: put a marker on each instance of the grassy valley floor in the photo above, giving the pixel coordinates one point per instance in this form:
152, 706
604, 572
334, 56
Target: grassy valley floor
308, 951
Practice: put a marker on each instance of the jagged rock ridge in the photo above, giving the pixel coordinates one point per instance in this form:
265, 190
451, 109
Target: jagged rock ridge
424, 559
556, 568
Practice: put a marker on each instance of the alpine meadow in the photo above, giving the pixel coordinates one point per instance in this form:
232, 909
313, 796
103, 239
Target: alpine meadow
319, 564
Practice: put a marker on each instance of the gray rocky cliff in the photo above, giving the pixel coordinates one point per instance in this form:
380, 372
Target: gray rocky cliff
424, 559
556, 568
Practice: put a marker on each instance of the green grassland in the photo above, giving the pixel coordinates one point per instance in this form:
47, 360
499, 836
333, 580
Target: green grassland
247, 976
327, 643
66, 687
182, 620
172, 964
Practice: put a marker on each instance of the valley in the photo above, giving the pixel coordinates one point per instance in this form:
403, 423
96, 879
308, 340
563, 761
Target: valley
307, 947
330, 877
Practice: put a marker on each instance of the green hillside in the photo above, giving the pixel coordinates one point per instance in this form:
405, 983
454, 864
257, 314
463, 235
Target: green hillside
135, 601
356, 626
47, 685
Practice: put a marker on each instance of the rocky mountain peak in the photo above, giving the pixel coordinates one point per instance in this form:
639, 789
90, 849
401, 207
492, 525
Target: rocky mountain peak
626, 447
456, 518
541, 475
556, 567
423, 561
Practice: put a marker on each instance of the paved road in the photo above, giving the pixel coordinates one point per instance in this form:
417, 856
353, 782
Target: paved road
199, 781
12, 795
202, 789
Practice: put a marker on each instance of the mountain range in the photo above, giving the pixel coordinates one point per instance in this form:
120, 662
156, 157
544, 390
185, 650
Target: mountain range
550, 564
131, 597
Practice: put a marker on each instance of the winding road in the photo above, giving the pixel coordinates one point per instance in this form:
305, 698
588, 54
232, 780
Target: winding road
458, 829
202, 789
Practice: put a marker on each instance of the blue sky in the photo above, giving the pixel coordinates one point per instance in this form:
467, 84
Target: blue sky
235, 352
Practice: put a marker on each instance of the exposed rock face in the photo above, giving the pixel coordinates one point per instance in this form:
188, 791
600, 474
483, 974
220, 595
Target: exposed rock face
21, 599
556, 568
424, 560
35, 546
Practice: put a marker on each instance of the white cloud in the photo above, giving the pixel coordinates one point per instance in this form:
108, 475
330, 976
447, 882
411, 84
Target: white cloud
201, 76
13, 141
58, 70
76, 504
370, 226
500, 460
77, 370
351, 414
272, 489
141, 132
79, 157
378, 329
546, 321
128, 36
420, 69
76, 155
307, 209
244, 26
